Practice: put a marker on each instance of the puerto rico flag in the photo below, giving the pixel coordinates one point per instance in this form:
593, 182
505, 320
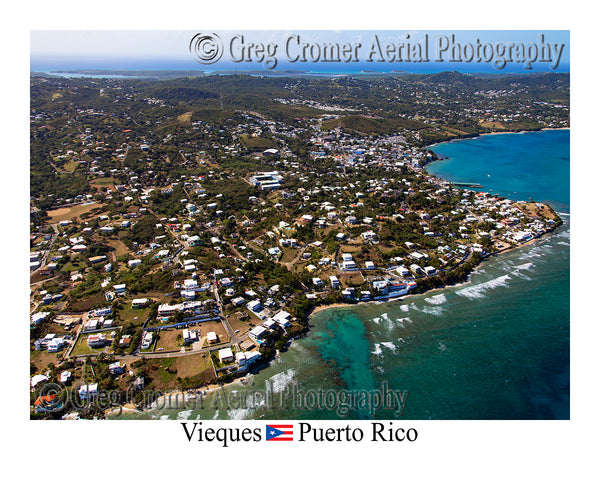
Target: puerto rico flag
280, 433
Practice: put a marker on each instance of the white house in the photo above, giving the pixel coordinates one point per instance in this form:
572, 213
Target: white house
95, 341
146, 340
257, 332
116, 368
226, 355
212, 337
282, 318
429, 270
139, 302
88, 391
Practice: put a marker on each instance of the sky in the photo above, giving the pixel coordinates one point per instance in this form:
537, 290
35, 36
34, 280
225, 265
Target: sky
170, 49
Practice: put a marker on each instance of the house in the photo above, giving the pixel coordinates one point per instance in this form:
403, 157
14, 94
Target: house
56, 344
101, 312
37, 318
37, 379
116, 368
369, 235
317, 282
244, 359
134, 263
189, 336
369, 265
212, 337
240, 358
194, 240
96, 341
237, 301
88, 391
146, 340
335, 283
120, 289
348, 292
65, 377
283, 318
226, 355
269, 324
90, 325
254, 306
416, 269
402, 270
429, 270
257, 332
139, 302
97, 259
349, 265
188, 294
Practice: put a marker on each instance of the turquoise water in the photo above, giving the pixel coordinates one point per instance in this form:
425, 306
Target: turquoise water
496, 347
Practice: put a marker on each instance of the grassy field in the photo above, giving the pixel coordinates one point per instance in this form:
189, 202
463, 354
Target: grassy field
70, 166
185, 118
492, 125
168, 340
351, 279
41, 358
137, 316
119, 246
164, 372
68, 213
103, 182
257, 143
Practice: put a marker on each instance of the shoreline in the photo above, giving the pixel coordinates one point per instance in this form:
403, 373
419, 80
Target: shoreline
545, 129
533, 241
188, 396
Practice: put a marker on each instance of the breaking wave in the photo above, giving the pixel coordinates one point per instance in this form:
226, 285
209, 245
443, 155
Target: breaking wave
437, 299
184, 415
477, 291
281, 380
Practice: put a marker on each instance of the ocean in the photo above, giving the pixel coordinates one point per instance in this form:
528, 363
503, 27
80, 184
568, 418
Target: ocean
495, 347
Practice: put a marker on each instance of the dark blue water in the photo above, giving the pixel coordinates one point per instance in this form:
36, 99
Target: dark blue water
518, 166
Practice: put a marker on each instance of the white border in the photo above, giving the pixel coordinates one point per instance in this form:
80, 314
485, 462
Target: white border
475, 449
